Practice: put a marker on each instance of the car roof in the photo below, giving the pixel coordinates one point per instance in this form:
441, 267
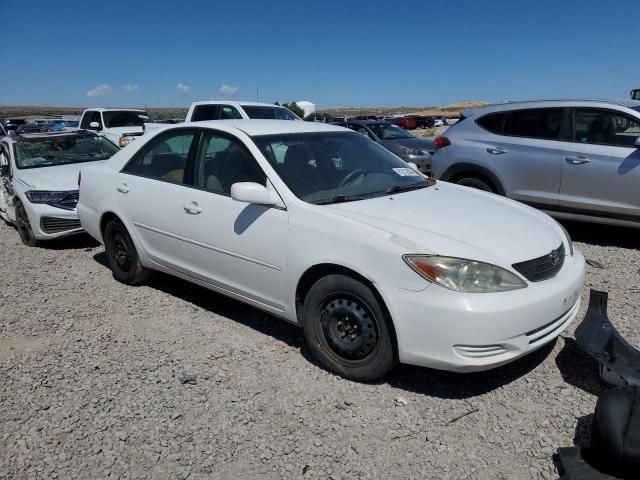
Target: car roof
498, 107
266, 127
102, 109
235, 102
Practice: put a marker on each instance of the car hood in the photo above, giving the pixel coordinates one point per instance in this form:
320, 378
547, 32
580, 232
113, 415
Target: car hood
59, 177
129, 130
455, 221
418, 143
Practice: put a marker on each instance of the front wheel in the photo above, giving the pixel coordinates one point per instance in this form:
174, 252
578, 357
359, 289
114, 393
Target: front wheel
24, 226
122, 255
347, 330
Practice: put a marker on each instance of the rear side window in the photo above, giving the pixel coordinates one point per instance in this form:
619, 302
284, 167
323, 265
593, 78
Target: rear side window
541, 123
164, 158
205, 112
492, 122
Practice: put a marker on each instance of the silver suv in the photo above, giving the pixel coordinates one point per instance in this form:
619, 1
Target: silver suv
576, 159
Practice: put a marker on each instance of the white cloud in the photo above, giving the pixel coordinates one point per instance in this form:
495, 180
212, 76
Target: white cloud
228, 90
100, 91
183, 89
128, 88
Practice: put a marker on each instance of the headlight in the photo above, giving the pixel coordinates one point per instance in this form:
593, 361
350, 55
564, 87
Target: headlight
569, 241
43, 196
412, 151
462, 275
126, 140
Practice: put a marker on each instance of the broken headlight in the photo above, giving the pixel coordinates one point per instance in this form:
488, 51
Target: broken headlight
45, 196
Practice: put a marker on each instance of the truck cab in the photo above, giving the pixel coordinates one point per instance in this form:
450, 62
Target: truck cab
121, 126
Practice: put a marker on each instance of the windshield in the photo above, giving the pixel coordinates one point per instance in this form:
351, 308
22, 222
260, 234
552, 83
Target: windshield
388, 131
268, 113
124, 119
62, 150
335, 167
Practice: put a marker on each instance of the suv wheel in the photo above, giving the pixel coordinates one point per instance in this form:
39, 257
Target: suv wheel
477, 183
347, 330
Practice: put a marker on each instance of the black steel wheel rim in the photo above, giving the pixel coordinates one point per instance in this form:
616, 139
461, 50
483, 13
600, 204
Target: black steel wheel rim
122, 250
348, 329
24, 227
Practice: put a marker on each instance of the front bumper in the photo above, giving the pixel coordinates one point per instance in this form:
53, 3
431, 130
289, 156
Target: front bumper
49, 222
447, 330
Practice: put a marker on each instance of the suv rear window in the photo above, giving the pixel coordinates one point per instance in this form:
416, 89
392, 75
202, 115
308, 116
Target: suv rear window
535, 123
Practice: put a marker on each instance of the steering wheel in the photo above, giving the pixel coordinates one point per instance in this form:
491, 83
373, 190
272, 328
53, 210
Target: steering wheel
352, 176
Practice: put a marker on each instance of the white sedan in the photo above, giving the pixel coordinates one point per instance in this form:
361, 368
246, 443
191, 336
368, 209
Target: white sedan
39, 181
322, 227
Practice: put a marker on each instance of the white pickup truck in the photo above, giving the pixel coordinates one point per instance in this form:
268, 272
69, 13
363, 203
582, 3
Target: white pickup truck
120, 125
223, 110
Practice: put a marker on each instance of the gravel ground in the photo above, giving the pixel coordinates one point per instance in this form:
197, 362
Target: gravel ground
169, 380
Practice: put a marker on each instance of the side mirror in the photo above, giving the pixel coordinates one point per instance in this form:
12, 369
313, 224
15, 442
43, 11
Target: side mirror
250, 192
637, 143
94, 126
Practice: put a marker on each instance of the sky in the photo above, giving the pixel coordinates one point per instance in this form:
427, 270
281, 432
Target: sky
333, 53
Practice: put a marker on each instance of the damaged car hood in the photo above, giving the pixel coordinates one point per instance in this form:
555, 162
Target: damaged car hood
58, 177
455, 221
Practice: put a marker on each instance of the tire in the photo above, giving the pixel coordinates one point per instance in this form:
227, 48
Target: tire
23, 225
347, 329
122, 255
477, 183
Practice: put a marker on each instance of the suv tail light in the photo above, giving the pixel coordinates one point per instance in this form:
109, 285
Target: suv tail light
442, 142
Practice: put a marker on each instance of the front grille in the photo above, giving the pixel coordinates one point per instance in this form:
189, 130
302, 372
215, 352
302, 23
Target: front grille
69, 202
57, 225
542, 268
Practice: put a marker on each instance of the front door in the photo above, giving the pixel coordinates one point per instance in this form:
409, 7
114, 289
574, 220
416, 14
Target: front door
238, 247
601, 167
151, 190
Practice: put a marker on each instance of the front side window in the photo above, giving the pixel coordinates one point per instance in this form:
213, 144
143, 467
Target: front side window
268, 113
335, 167
543, 123
62, 150
605, 127
224, 161
164, 158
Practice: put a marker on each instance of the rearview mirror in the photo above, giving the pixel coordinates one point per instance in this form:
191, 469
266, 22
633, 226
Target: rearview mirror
250, 192
94, 126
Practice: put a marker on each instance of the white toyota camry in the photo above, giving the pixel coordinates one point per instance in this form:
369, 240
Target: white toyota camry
321, 226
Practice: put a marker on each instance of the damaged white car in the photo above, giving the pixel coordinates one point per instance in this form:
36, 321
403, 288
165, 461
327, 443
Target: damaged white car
39, 181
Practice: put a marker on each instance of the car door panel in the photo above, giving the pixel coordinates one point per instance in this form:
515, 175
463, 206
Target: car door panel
601, 167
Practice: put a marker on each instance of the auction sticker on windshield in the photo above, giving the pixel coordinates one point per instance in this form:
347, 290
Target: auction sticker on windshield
406, 172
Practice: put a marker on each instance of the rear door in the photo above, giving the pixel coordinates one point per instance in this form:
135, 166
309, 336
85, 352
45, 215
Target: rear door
526, 151
151, 191
601, 167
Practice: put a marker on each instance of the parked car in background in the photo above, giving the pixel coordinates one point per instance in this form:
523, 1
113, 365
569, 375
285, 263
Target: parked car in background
338, 119
39, 181
407, 123
222, 110
66, 126
12, 124
422, 121
33, 127
324, 228
397, 140
573, 159
122, 125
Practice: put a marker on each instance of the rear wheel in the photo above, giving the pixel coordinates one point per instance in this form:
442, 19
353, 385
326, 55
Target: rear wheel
477, 183
122, 255
347, 330
24, 226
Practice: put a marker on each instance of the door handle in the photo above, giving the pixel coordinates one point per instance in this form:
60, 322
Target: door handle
124, 188
192, 208
496, 151
576, 160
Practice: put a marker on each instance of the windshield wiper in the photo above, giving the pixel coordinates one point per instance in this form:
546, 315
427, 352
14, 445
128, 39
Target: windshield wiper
404, 188
339, 199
